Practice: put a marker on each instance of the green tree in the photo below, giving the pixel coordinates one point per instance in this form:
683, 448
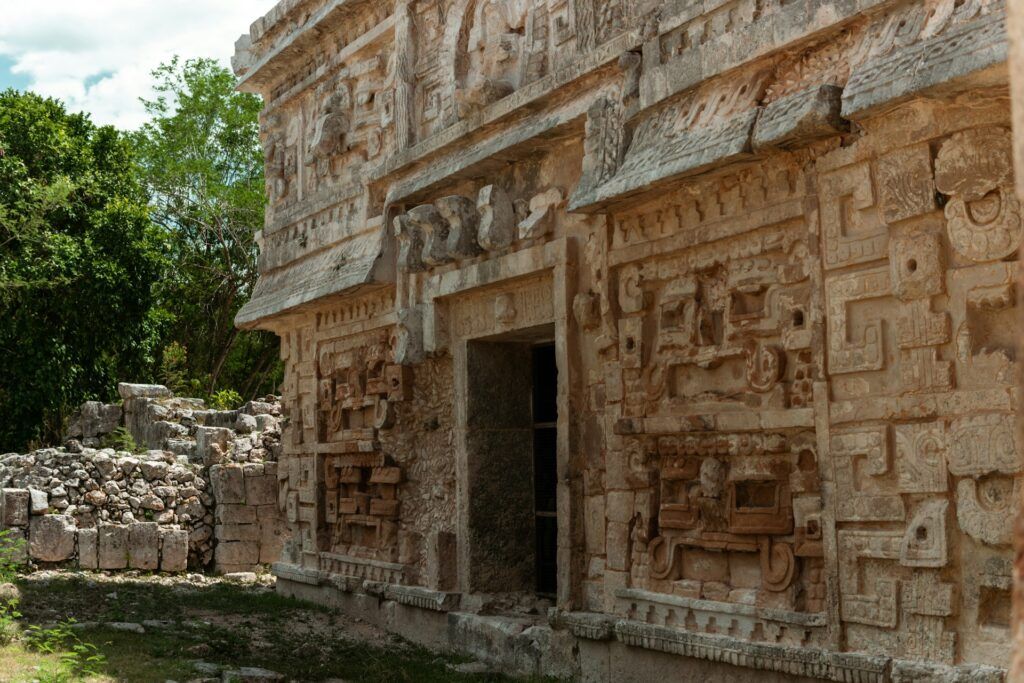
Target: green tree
203, 164
78, 259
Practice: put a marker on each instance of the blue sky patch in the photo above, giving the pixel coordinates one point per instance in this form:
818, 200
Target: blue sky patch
9, 79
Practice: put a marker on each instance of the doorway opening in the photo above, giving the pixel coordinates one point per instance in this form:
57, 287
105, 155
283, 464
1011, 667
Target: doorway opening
512, 464
545, 467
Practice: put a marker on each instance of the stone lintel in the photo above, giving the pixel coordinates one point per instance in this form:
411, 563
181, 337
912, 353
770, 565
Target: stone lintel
969, 53
800, 118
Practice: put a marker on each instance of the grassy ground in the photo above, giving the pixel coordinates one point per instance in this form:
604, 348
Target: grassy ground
227, 624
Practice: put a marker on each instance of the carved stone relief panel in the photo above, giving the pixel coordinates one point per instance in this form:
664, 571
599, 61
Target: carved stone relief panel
923, 452
359, 387
716, 327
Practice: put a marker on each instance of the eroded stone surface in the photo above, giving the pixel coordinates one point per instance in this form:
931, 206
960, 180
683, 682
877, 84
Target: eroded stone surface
774, 248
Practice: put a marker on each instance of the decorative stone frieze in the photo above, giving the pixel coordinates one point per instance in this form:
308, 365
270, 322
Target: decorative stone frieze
758, 263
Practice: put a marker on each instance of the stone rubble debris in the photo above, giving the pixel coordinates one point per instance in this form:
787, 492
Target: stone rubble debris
202, 494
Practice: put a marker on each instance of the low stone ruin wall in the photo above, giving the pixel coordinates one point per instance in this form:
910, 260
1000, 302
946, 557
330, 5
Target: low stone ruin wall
202, 496
248, 526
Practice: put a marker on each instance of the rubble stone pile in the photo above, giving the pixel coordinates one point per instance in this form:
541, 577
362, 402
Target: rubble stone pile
198, 487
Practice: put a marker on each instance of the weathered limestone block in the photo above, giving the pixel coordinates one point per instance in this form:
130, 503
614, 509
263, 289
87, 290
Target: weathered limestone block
800, 118
272, 533
52, 538
133, 391
410, 244
497, 218
238, 532
144, 546
232, 554
15, 507
113, 546
967, 49
229, 485
463, 223
212, 444
173, 550
40, 501
442, 561
260, 489
434, 229
95, 419
236, 514
88, 551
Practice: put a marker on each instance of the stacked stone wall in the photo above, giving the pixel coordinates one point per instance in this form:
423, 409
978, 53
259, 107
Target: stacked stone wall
203, 495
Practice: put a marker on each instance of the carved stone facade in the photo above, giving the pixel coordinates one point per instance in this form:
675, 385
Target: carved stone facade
771, 249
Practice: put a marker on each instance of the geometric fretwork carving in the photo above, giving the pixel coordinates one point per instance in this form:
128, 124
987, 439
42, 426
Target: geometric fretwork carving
921, 458
852, 349
852, 230
867, 596
862, 462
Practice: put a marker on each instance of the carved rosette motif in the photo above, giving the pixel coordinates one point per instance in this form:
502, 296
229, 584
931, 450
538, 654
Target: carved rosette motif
975, 170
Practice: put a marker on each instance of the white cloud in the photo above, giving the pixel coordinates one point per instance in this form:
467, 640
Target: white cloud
97, 55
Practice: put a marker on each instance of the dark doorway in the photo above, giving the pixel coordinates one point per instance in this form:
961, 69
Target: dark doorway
512, 463
545, 467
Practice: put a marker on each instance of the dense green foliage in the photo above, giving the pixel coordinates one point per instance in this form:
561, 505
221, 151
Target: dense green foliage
78, 259
202, 161
125, 257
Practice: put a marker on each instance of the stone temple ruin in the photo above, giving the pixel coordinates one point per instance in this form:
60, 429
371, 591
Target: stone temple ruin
200, 494
636, 338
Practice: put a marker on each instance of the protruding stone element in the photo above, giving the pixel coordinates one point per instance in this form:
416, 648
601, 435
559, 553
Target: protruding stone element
52, 538
924, 543
409, 336
410, 244
434, 229
983, 218
463, 225
40, 502
984, 507
800, 118
132, 391
497, 218
540, 221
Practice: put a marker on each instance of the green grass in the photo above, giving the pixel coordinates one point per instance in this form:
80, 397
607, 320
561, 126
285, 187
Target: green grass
227, 624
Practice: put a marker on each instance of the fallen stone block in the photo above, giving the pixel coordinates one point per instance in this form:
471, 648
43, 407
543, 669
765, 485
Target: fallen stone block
173, 550
144, 546
88, 552
52, 538
113, 546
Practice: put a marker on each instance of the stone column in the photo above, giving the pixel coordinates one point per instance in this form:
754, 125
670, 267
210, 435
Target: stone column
405, 73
